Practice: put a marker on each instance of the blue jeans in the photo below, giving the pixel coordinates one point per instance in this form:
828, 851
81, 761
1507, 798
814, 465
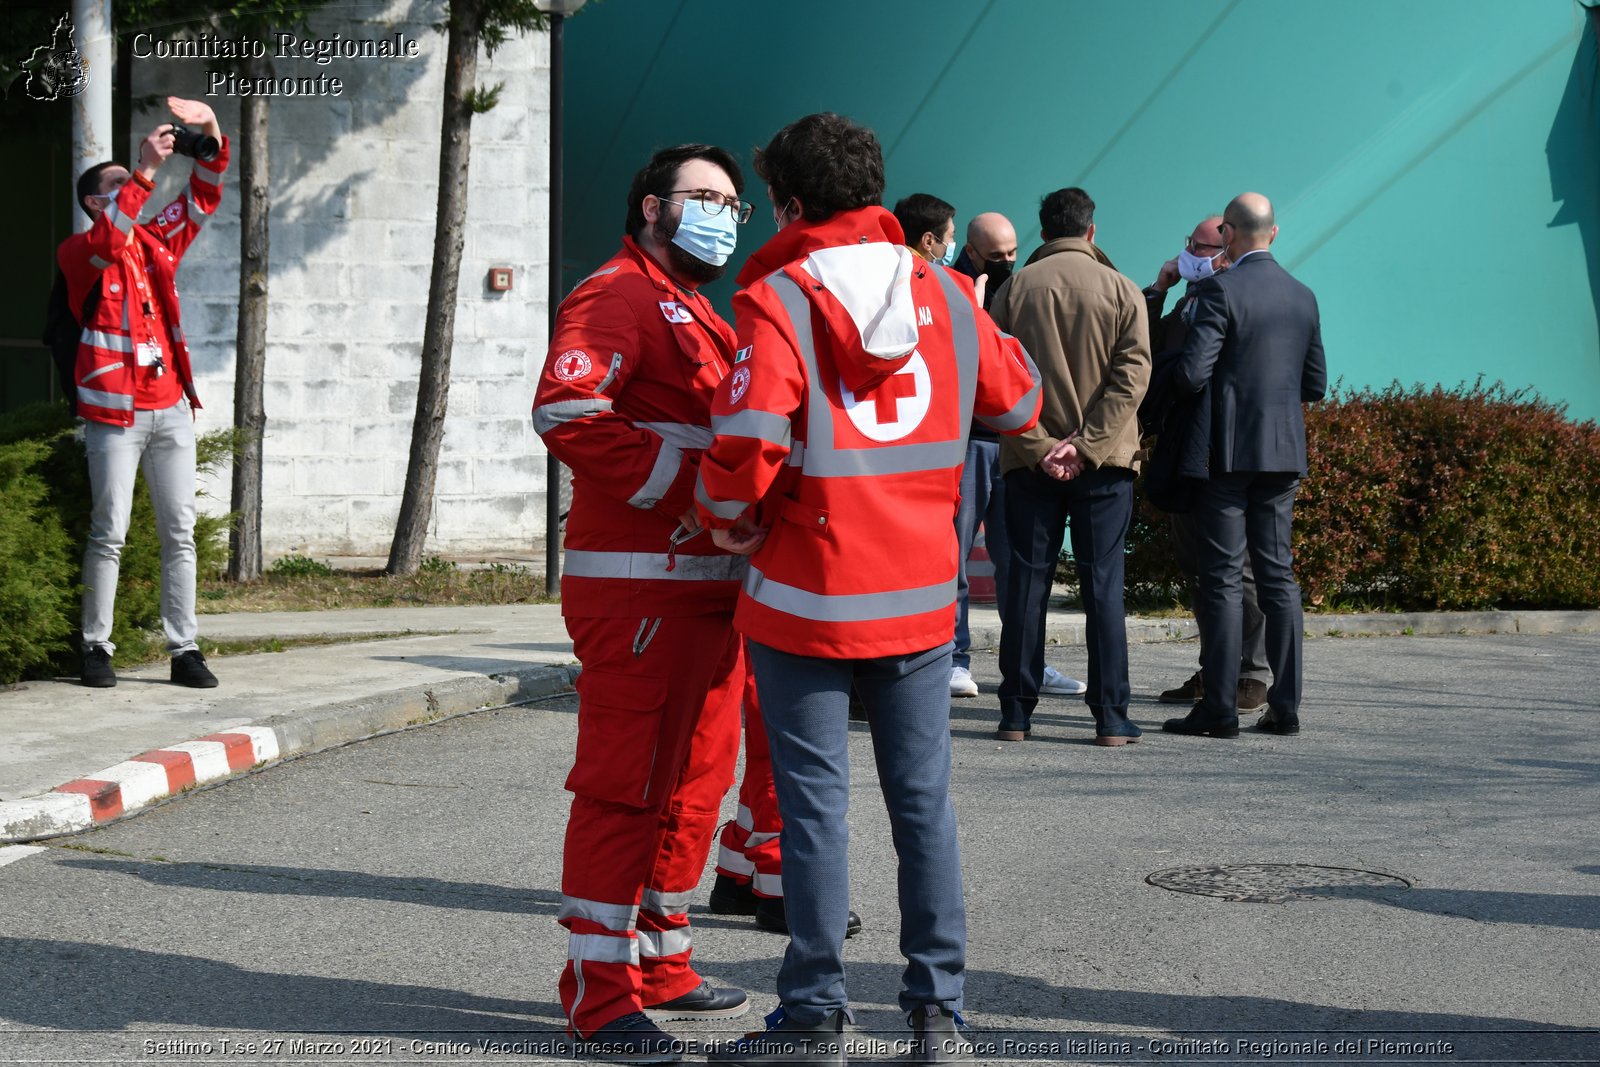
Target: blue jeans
983, 500
805, 705
1099, 504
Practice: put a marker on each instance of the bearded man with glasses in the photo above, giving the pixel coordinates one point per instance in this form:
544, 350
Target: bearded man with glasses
624, 400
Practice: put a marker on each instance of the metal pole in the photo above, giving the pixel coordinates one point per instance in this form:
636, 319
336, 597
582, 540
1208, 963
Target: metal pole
552, 503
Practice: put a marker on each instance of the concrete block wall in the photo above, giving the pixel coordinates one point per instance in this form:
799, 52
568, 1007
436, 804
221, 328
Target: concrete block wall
354, 191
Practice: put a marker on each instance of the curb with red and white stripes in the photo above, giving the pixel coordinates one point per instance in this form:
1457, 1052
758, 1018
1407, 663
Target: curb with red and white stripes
139, 781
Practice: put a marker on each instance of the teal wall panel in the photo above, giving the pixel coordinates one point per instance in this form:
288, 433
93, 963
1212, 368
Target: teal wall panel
1434, 163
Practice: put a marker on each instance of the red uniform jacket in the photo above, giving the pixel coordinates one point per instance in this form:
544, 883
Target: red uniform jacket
625, 401
105, 256
846, 416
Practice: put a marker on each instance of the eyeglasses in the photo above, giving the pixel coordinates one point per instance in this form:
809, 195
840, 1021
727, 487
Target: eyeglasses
1197, 248
1226, 223
714, 202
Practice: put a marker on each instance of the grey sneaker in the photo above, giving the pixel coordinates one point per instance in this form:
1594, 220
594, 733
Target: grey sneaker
1057, 684
939, 1035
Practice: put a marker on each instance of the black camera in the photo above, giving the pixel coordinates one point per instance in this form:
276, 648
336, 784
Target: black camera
187, 142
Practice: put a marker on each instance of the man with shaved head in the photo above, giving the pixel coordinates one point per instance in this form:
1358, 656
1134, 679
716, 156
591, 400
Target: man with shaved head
1257, 341
989, 254
1204, 255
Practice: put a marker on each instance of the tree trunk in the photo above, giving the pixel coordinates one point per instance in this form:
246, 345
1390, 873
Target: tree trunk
427, 430
249, 409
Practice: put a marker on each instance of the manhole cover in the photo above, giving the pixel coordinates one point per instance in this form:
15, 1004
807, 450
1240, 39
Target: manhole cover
1273, 883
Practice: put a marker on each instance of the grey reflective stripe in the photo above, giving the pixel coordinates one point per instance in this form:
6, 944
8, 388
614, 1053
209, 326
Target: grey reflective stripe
767, 885
618, 917
582, 563
722, 509
96, 261
820, 458
668, 462
761, 425
107, 369
197, 214
118, 218
665, 903
176, 332
1018, 416
549, 416
204, 176
964, 333
680, 434
611, 374
111, 342
848, 607
603, 948
655, 944
94, 397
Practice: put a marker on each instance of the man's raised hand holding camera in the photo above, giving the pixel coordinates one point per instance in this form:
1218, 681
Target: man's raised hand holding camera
132, 377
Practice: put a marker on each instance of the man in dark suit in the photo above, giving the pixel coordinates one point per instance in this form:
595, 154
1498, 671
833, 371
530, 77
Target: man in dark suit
1257, 340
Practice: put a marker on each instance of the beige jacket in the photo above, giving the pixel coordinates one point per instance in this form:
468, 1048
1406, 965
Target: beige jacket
1086, 328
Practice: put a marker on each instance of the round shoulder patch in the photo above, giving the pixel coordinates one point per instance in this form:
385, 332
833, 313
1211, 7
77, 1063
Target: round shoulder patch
741, 384
572, 364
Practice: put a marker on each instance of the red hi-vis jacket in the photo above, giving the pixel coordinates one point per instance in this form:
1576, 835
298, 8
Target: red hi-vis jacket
846, 417
106, 256
625, 401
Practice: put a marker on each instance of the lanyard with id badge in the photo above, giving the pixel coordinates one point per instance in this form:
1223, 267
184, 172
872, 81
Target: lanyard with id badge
148, 353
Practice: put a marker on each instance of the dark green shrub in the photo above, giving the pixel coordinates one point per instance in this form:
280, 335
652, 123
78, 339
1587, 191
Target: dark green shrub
38, 581
1427, 498
45, 438
296, 566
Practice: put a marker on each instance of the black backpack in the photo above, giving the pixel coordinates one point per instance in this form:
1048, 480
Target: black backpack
62, 332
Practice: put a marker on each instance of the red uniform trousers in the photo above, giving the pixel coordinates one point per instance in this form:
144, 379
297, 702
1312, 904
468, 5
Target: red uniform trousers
658, 735
748, 847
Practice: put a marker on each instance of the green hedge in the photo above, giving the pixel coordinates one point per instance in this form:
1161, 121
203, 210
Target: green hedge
44, 524
1423, 499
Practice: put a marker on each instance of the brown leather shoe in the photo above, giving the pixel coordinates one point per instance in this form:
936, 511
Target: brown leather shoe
1190, 692
1252, 696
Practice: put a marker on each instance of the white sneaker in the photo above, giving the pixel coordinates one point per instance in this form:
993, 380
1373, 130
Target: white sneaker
961, 683
1058, 684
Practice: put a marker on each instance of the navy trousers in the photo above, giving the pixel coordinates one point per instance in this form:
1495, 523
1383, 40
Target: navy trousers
1099, 505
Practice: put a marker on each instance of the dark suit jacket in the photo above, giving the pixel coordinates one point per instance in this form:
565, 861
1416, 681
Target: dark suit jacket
1257, 340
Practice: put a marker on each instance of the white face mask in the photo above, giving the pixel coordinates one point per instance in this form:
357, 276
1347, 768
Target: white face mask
1196, 268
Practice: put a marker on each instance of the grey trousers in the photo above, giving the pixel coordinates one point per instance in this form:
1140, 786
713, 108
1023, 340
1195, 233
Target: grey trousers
1186, 541
162, 444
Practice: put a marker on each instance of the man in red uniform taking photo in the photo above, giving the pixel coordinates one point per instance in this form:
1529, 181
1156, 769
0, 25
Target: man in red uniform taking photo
133, 383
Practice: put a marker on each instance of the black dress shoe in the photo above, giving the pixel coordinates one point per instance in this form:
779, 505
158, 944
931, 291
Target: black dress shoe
1278, 722
729, 896
706, 1002
1199, 724
771, 915
631, 1039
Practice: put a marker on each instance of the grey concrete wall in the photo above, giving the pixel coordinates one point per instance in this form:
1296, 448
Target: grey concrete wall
354, 186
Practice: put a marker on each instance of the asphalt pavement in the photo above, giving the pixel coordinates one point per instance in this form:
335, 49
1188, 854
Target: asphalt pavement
1412, 879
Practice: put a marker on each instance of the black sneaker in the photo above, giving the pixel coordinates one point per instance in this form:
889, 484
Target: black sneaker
189, 668
95, 671
772, 915
630, 1039
706, 1002
939, 1035
785, 1042
729, 896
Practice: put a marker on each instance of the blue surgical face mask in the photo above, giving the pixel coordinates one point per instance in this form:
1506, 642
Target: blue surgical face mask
707, 237
949, 259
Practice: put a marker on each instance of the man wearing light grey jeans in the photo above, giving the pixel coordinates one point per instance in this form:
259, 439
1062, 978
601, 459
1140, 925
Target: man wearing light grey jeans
134, 387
